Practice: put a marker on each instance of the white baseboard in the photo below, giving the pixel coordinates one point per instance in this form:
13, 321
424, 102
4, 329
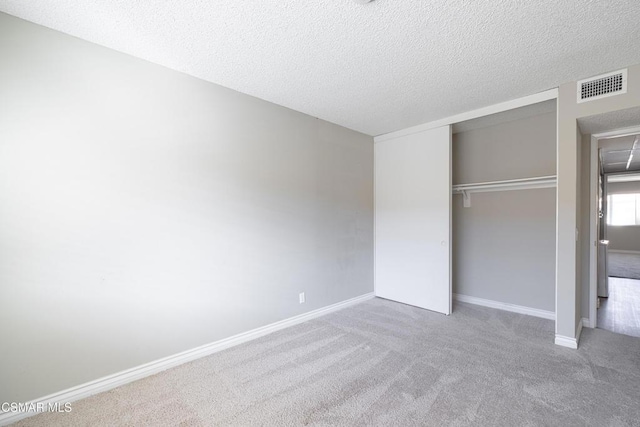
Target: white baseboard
586, 323
566, 341
133, 374
620, 251
571, 342
506, 306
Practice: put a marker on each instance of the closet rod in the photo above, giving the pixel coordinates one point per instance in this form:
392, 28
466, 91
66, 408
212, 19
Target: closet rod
511, 184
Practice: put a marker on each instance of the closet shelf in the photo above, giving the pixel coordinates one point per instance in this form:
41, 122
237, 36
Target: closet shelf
511, 184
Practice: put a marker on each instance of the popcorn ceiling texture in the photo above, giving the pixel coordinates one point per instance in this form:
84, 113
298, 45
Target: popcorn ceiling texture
375, 68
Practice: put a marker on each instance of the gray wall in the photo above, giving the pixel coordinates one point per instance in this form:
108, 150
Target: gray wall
624, 238
504, 247
145, 212
504, 244
522, 148
630, 187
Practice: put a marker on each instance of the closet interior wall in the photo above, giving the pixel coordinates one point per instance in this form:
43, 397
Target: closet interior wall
504, 243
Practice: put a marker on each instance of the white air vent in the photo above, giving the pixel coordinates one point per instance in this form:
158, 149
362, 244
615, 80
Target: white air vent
602, 86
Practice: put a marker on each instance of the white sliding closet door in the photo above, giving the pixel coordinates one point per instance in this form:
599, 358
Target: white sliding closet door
413, 219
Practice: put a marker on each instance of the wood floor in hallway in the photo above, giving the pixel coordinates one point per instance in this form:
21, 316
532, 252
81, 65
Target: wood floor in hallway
620, 312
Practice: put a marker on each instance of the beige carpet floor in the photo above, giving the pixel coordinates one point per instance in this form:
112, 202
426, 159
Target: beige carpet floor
383, 363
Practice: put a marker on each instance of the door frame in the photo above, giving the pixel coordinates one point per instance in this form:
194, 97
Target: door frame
593, 217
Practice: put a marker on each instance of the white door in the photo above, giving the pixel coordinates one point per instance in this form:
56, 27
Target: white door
413, 219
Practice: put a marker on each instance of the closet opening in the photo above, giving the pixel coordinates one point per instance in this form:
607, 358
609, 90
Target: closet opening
504, 210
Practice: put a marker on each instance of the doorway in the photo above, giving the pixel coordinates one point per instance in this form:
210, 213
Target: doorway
615, 255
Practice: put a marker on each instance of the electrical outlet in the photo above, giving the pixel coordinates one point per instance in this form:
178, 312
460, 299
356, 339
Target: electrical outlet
301, 297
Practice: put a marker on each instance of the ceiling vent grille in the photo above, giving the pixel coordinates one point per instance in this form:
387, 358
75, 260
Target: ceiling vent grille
597, 87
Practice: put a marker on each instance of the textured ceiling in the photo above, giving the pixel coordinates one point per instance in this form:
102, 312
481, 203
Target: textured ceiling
377, 67
616, 152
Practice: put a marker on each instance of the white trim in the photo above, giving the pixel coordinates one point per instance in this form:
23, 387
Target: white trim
557, 265
628, 176
633, 130
124, 377
594, 174
566, 342
474, 114
506, 306
450, 221
586, 323
375, 281
621, 251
